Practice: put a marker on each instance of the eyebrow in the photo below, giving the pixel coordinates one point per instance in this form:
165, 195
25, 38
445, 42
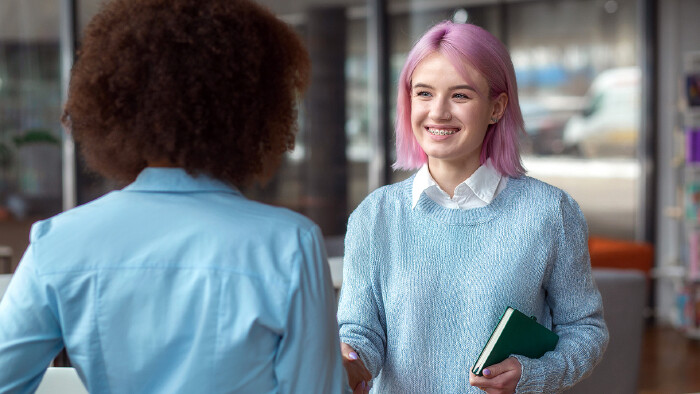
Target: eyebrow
457, 87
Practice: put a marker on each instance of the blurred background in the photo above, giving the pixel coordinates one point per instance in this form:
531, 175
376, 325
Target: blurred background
580, 66
602, 86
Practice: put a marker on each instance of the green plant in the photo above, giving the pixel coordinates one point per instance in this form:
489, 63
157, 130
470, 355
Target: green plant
10, 146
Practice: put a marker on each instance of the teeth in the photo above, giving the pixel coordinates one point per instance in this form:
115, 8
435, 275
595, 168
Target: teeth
441, 132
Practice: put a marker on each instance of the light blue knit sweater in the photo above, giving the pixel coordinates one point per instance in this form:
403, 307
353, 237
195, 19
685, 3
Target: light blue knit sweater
423, 288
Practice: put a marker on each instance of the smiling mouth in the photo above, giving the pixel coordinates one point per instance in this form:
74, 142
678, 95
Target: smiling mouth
435, 131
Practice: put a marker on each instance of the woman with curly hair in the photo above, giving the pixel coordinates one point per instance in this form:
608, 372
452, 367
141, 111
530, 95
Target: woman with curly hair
177, 282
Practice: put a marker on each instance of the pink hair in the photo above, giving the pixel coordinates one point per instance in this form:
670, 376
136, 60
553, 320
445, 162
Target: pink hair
460, 44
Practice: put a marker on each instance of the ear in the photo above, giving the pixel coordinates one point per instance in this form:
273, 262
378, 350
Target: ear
498, 107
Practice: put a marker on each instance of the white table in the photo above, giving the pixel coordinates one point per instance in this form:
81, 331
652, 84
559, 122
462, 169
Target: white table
336, 265
5, 259
4, 282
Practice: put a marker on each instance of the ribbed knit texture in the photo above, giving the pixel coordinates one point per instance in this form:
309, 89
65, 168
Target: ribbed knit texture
423, 288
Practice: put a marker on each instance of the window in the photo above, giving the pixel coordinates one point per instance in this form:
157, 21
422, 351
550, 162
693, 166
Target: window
30, 134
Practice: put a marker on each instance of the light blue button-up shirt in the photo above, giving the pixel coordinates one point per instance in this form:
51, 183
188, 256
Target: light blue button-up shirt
175, 284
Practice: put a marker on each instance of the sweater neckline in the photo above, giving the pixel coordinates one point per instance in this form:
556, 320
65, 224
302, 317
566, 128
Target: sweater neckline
434, 211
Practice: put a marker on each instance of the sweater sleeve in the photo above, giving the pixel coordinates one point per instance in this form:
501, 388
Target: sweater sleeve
577, 312
360, 308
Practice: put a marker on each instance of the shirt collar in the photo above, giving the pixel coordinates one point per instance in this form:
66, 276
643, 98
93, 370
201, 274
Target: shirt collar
483, 183
421, 182
161, 179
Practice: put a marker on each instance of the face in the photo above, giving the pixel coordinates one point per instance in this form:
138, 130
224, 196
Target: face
450, 115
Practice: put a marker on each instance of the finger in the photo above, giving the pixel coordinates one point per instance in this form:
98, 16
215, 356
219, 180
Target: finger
504, 366
357, 375
364, 372
482, 382
492, 371
487, 375
476, 381
348, 352
352, 361
360, 388
486, 385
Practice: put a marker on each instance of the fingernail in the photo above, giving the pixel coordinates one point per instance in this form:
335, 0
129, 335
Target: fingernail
487, 372
364, 385
352, 356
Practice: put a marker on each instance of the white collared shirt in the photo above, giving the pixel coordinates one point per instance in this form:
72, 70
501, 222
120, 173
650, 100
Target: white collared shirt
476, 191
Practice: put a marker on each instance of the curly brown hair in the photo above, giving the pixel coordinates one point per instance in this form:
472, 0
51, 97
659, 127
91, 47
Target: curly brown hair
210, 86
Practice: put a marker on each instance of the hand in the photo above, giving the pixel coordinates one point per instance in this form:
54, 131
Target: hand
358, 375
501, 378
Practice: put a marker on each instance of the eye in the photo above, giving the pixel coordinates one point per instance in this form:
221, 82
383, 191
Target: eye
460, 96
422, 93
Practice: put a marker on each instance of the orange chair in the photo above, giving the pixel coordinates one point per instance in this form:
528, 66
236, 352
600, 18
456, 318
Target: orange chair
611, 253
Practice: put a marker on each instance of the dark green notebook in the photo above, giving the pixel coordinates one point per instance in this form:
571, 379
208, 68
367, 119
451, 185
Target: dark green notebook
515, 334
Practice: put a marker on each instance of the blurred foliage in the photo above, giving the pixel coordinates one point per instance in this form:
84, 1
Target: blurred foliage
28, 137
34, 136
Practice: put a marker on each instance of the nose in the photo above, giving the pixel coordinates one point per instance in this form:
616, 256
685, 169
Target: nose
440, 111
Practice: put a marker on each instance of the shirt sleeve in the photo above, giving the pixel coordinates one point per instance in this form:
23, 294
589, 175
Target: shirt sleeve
308, 358
577, 312
30, 334
360, 309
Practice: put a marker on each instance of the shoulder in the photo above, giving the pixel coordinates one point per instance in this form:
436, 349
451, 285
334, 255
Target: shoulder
396, 194
134, 224
376, 213
536, 187
123, 208
70, 221
548, 200
543, 192
277, 218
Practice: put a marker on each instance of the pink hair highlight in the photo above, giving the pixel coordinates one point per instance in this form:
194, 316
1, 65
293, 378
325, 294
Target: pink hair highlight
464, 44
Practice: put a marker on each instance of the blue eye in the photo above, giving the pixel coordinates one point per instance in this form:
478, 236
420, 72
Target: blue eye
423, 94
460, 96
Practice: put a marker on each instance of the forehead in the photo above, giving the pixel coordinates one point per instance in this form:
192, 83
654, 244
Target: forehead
436, 69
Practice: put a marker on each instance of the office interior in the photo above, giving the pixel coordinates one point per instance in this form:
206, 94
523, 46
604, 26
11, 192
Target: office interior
609, 89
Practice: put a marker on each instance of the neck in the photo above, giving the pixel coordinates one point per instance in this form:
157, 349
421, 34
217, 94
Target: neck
448, 175
160, 163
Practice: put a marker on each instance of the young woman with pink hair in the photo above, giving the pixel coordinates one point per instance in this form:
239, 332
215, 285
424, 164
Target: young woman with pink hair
432, 262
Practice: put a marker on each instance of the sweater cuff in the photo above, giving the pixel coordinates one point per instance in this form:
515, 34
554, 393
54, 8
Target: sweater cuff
532, 377
362, 350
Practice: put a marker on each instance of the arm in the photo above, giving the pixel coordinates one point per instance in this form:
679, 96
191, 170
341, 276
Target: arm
308, 359
360, 311
577, 312
30, 335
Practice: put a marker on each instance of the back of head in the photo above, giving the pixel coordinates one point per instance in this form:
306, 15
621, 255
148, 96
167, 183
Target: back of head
207, 85
464, 44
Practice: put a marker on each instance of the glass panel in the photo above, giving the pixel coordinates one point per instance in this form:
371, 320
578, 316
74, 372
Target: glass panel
579, 81
30, 133
579, 86
326, 177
